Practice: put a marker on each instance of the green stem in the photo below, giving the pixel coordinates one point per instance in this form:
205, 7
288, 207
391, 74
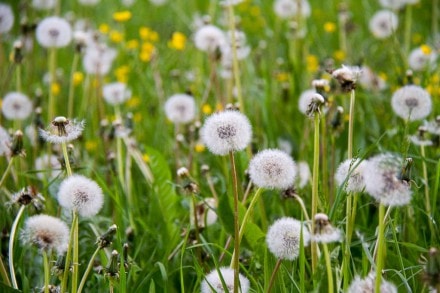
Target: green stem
408, 23
52, 67
75, 261
18, 77
435, 20
328, 265
89, 268
66, 159
315, 189
381, 248
72, 86
272, 277
350, 124
427, 198
3, 273
46, 272
248, 212
68, 255
11, 246
349, 231
8, 169
235, 260
196, 228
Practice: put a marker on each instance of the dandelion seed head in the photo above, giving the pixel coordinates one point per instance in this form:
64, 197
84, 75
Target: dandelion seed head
44, 4
180, 108
209, 38
283, 238
419, 60
289, 8
6, 18
82, 194
98, 59
433, 127
48, 166
347, 76
305, 99
383, 24
56, 134
411, 102
370, 81
272, 168
367, 285
116, 93
213, 282
47, 233
382, 175
353, 169
226, 131
54, 32
16, 106
324, 230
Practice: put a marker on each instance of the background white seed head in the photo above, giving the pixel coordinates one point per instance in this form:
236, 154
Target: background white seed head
213, 280
54, 32
411, 102
16, 106
180, 108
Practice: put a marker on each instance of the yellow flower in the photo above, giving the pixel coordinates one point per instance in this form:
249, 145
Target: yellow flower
77, 78
339, 55
312, 63
133, 102
282, 76
146, 158
145, 56
122, 16
91, 145
144, 32
329, 27
199, 147
435, 78
383, 75
137, 117
255, 11
55, 88
121, 73
154, 36
426, 49
116, 37
178, 41
133, 44
104, 28
206, 109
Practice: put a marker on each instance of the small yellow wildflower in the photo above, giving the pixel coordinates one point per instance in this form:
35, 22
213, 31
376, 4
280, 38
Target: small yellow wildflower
144, 32
383, 75
122, 16
55, 88
206, 109
134, 102
426, 49
255, 11
329, 27
219, 107
121, 73
154, 36
199, 147
339, 55
312, 63
146, 158
137, 117
178, 41
132, 44
282, 76
435, 78
116, 37
91, 145
77, 78
104, 28
145, 56
346, 117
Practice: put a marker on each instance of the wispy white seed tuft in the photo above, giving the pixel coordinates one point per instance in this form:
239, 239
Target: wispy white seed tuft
54, 32
98, 59
213, 282
72, 130
305, 99
180, 108
393, 4
371, 81
226, 131
47, 233
411, 102
16, 106
367, 285
353, 170
6, 18
272, 168
81, 194
304, 174
324, 230
419, 59
209, 38
44, 4
47, 166
289, 8
283, 238
383, 24
116, 93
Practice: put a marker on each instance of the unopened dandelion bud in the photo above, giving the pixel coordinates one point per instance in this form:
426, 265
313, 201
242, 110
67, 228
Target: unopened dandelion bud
51, 288
409, 76
336, 121
405, 175
289, 193
112, 271
125, 254
26, 196
183, 172
18, 52
129, 234
205, 169
17, 144
106, 239
191, 187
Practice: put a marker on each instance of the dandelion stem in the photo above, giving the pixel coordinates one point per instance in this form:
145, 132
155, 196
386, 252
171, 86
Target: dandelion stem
328, 266
69, 254
249, 211
52, 66
3, 273
8, 169
315, 189
235, 261
75, 262
66, 159
381, 248
196, 228
18, 77
89, 268
46, 272
72, 85
350, 124
274, 272
11, 246
427, 199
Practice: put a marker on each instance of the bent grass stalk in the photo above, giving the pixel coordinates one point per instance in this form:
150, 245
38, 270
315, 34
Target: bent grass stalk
8, 169
274, 272
87, 272
11, 246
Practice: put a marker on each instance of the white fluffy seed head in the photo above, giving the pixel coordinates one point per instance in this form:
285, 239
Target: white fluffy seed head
6, 18
88, 2
382, 175
82, 194
213, 282
47, 233
180, 108
305, 99
383, 24
272, 168
16, 106
73, 130
393, 4
324, 230
283, 238
47, 166
98, 59
411, 102
289, 8
371, 81
353, 170
367, 285
226, 131
54, 32
44, 4
209, 38
116, 93
419, 59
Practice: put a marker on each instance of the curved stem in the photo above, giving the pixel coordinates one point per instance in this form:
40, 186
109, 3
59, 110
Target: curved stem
3, 273
89, 268
315, 189
8, 169
235, 261
328, 266
11, 246
381, 248
274, 272
46, 272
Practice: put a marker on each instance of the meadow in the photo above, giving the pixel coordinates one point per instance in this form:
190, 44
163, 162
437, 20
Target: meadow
219, 146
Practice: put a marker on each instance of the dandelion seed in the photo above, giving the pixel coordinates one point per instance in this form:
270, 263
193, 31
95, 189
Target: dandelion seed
180, 108
44, 4
283, 238
226, 131
116, 93
272, 168
213, 281
6, 18
433, 127
209, 38
16, 106
324, 230
419, 59
411, 102
47, 233
385, 181
367, 285
289, 8
48, 166
62, 130
353, 169
383, 24
54, 32
81, 194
